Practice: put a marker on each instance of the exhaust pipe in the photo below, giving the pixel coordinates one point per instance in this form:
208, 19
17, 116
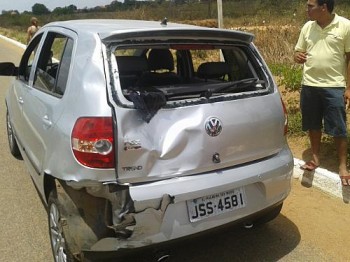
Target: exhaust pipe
248, 225
162, 256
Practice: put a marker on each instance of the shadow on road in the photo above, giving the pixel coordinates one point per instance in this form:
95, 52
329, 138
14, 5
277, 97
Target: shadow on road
269, 242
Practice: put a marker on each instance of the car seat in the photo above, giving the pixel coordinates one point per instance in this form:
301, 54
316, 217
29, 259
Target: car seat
213, 70
161, 69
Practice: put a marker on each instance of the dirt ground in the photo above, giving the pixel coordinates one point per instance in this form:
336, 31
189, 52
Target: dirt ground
322, 219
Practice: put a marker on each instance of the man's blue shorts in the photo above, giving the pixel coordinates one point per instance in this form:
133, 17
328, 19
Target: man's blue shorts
323, 105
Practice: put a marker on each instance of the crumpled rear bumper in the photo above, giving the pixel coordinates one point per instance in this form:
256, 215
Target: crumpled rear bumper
154, 251
160, 211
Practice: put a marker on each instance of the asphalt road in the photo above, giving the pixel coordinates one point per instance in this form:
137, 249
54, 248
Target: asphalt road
311, 227
23, 221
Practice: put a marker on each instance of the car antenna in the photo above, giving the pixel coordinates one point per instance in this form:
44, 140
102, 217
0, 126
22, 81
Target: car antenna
164, 22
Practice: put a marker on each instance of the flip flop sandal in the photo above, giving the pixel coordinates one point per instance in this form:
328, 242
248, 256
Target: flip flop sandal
310, 166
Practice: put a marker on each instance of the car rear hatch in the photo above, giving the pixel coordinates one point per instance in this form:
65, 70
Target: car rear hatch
200, 123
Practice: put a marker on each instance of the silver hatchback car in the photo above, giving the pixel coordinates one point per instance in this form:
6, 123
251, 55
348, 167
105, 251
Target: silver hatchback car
137, 132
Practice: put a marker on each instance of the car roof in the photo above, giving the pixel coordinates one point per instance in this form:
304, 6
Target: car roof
115, 29
107, 25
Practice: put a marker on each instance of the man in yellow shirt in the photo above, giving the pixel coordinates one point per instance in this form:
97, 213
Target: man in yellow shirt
323, 48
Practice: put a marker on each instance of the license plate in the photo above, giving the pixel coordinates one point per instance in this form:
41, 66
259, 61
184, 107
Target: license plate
213, 205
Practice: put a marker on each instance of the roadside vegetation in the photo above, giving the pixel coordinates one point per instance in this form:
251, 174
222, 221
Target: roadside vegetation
275, 24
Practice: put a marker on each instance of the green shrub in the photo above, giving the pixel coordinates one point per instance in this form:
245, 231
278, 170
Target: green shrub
289, 75
294, 124
289, 80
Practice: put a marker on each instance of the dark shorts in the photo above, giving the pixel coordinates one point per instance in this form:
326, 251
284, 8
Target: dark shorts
323, 106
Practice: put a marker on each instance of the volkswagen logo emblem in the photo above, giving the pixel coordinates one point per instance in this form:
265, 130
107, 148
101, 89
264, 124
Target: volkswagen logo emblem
213, 126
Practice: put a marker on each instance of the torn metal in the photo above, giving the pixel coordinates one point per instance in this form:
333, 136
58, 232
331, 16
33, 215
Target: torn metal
118, 216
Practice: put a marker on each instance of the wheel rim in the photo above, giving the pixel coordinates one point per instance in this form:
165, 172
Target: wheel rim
56, 235
9, 131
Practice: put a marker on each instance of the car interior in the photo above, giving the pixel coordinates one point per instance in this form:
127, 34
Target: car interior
188, 71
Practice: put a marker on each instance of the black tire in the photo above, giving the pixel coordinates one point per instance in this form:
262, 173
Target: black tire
14, 149
59, 248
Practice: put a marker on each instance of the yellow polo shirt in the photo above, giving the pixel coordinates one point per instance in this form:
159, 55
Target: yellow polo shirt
325, 48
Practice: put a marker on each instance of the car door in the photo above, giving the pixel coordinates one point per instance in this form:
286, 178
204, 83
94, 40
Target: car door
16, 96
44, 101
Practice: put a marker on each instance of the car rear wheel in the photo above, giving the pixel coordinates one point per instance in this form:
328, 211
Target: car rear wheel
58, 242
11, 138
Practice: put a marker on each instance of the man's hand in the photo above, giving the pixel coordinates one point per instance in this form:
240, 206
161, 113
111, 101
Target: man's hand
347, 98
300, 57
347, 89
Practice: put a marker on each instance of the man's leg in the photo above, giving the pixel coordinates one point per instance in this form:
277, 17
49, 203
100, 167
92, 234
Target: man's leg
315, 141
342, 150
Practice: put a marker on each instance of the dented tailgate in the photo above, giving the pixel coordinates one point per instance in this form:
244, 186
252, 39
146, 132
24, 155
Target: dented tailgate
195, 139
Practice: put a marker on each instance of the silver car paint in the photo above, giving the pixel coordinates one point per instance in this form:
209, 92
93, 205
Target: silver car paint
166, 142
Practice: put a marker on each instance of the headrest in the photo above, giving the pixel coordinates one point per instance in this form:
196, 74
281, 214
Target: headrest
132, 64
213, 70
160, 59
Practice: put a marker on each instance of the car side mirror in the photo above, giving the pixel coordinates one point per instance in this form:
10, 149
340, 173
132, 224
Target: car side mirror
8, 69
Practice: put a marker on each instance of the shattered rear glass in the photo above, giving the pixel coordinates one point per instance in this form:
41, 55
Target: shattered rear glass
153, 75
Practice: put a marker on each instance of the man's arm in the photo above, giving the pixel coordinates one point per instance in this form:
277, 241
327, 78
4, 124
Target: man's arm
28, 34
347, 90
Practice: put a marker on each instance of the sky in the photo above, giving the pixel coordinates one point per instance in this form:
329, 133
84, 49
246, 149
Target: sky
26, 5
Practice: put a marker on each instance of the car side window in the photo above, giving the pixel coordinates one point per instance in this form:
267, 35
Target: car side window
53, 64
63, 71
28, 58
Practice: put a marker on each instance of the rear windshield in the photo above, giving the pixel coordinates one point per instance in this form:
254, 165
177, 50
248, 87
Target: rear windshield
190, 71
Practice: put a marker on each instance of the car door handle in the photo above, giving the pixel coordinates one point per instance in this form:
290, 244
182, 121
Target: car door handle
20, 100
47, 122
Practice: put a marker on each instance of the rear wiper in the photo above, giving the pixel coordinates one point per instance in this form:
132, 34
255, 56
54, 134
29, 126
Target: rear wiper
240, 84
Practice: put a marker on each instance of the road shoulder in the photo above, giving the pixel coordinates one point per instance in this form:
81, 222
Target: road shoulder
328, 182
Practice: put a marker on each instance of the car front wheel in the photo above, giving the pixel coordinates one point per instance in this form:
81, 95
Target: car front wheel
58, 243
11, 139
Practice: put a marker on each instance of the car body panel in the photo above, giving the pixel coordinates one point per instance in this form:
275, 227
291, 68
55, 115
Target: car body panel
14, 103
176, 135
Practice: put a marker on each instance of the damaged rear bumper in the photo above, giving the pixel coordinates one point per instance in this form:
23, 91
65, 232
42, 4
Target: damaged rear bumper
154, 251
141, 215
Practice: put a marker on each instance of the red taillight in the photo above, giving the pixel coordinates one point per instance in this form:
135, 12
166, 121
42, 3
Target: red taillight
285, 117
93, 142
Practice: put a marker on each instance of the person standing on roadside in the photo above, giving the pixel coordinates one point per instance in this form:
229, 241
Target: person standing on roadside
32, 29
323, 48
